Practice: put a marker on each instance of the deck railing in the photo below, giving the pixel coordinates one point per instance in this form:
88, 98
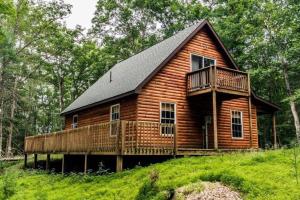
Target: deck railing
218, 77
121, 137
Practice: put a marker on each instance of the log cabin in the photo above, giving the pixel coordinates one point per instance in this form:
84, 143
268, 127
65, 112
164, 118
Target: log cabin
182, 96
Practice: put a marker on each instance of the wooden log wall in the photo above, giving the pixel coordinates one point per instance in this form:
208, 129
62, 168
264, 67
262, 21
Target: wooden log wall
169, 85
101, 113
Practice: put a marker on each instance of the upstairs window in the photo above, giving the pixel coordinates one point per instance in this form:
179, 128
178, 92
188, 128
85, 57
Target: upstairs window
199, 62
75, 121
237, 124
167, 118
114, 119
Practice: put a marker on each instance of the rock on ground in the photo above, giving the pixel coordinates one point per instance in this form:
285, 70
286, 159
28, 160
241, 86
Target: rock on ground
214, 191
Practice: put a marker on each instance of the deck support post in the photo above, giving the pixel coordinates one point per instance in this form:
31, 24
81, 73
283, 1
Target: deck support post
63, 164
35, 161
119, 163
215, 125
48, 162
25, 160
274, 130
85, 163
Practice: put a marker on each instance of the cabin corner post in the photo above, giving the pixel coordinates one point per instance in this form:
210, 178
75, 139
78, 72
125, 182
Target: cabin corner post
250, 110
274, 130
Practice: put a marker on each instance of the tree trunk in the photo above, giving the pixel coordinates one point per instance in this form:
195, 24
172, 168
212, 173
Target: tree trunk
11, 123
1, 125
291, 101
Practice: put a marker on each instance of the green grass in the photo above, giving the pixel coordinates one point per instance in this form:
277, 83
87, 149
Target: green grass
257, 175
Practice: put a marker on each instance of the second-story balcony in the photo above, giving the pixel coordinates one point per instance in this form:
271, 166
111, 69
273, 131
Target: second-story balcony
217, 78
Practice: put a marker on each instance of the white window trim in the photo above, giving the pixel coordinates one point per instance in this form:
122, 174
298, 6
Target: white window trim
110, 118
175, 117
73, 121
195, 54
242, 124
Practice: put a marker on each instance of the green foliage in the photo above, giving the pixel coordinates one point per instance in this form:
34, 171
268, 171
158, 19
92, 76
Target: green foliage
257, 175
8, 185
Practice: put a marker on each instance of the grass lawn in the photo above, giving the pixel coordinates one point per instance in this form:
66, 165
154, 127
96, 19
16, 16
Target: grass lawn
257, 175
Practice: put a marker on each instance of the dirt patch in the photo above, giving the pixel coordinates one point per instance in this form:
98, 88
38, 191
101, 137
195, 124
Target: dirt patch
206, 191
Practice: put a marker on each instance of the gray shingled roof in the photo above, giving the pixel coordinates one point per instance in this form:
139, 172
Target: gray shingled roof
130, 73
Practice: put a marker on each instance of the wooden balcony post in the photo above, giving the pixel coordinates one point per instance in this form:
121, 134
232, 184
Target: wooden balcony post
274, 130
123, 135
48, 162
215, 124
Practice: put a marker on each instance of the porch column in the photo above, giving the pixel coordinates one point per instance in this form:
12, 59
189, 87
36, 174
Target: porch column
35, 161
25, 160
215, 123
119, 163
274, 130
48, 162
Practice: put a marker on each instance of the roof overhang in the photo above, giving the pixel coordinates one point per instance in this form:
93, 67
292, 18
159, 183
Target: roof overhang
99, 103
264, 106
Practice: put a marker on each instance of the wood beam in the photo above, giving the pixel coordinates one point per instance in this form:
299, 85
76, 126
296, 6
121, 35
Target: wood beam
215, 123
85, 163
63, 165
274, 130
48, 162
35, 161
119, 163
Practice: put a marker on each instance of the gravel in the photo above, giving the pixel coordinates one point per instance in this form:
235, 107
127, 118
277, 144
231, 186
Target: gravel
214, 191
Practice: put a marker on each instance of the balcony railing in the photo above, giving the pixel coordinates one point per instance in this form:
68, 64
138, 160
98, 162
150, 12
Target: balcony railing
121, 137
220, 78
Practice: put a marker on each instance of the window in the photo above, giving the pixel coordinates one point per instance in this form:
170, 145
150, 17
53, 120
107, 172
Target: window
237, 124
114, 119
75, 121
167, 118
199, 62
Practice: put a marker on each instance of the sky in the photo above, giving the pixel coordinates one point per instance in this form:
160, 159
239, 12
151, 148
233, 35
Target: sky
82, 13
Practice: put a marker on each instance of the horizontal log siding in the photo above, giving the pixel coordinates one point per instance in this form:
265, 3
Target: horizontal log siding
169, 85
100, 114
225, 139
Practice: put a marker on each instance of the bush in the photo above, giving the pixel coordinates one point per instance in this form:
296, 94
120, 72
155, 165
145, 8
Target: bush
149, 189
8, 188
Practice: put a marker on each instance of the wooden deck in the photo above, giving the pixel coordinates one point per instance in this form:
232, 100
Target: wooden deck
130, 138
224, 80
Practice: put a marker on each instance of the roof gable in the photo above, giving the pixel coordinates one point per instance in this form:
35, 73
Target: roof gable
129, 76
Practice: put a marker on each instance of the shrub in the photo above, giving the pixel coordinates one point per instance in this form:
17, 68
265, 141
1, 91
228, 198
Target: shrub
149, 189
8, 185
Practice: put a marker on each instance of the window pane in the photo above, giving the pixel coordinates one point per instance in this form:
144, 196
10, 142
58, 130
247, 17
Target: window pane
196, 62
237, 130
208, 62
